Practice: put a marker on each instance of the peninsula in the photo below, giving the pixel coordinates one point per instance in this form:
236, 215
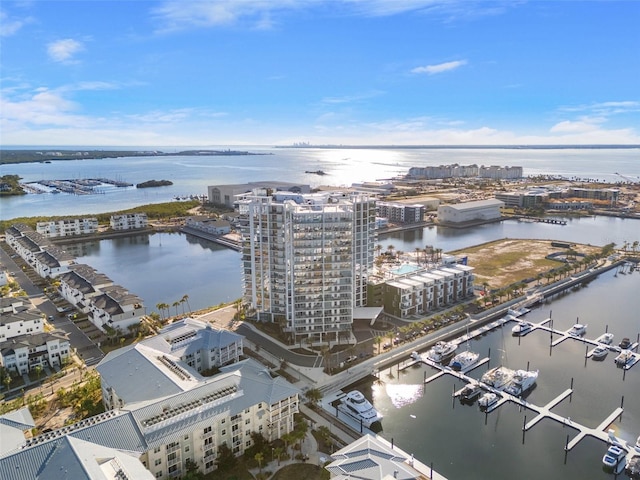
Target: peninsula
46, 156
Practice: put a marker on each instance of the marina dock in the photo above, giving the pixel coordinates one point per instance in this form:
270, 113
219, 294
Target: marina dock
600, 432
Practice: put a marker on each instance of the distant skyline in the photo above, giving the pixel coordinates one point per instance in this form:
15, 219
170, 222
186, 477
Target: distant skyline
341, 72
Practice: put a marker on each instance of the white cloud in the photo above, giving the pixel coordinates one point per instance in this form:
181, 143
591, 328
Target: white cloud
175, 15
440, 67
352, 98
64, 50
10, 26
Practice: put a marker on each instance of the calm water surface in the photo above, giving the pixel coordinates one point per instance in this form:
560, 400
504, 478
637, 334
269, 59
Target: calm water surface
192, 174
463, 443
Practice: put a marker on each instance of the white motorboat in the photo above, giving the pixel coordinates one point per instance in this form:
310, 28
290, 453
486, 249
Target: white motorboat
605, 338
356, 405
441, 351
624, 358
464, 360
522, 381
600, 352
469, 393
614, 457
487, 400
518, 312
577, 330
522, 328
415, 356
497, 377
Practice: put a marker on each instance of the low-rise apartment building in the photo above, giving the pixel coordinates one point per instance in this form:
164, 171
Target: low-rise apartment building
129, 221
67, 227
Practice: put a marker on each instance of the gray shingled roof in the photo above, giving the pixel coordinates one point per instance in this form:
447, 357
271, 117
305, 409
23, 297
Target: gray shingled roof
371, 458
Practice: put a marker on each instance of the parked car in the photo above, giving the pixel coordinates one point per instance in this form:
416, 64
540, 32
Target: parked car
351, 358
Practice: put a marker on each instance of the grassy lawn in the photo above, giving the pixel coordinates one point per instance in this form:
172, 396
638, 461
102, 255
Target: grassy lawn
300, 470
239, 472
504, 262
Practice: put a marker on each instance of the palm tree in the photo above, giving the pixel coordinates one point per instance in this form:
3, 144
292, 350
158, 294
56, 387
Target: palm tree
176, 304
185, 298
278, 451
38, 370
378, 341
259, 458
160, 307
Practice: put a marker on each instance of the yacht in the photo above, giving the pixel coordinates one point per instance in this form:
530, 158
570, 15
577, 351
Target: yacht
614, 457
578, 330
522, 381
497, 377
519, 311
521, 328
487, 400
632, 468
600, 352
605, 338
356, 405
625, 343
469, 393
624, 358
441, 351
464, 360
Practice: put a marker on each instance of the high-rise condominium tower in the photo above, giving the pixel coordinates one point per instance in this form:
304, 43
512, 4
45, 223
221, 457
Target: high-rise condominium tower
306, 258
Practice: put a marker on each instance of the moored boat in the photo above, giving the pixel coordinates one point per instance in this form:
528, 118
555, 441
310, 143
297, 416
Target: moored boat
518, 312
521, 328
614, 457
469, 393
577, 330
497, 377
632, 467
441, 351
625, 343
522, 381
357, 406
624, 358
599, 353
464, 360
605, 338
487, 400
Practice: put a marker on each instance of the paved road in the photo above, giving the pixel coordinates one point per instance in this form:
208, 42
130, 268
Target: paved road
86, 349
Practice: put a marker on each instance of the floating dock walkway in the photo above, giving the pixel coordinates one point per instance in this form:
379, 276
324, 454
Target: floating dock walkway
600, 432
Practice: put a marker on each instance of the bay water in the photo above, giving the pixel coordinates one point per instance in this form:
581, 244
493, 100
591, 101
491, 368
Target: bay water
460, 441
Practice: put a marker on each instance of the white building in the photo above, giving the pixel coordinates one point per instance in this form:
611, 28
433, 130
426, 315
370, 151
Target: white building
67, 227
23, 353
115, 307
210, 225
189, 345
129, 221
18, 318
480, 210
306, 259
174, 425
227, 194
398, 212
373, 457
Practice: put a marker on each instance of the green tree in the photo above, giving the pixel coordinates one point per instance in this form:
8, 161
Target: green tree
313, 396
226, 460
185, 298
259, 457
278, 452
192, 471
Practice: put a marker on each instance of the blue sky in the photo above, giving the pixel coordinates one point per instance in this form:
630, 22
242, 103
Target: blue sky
273, 72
